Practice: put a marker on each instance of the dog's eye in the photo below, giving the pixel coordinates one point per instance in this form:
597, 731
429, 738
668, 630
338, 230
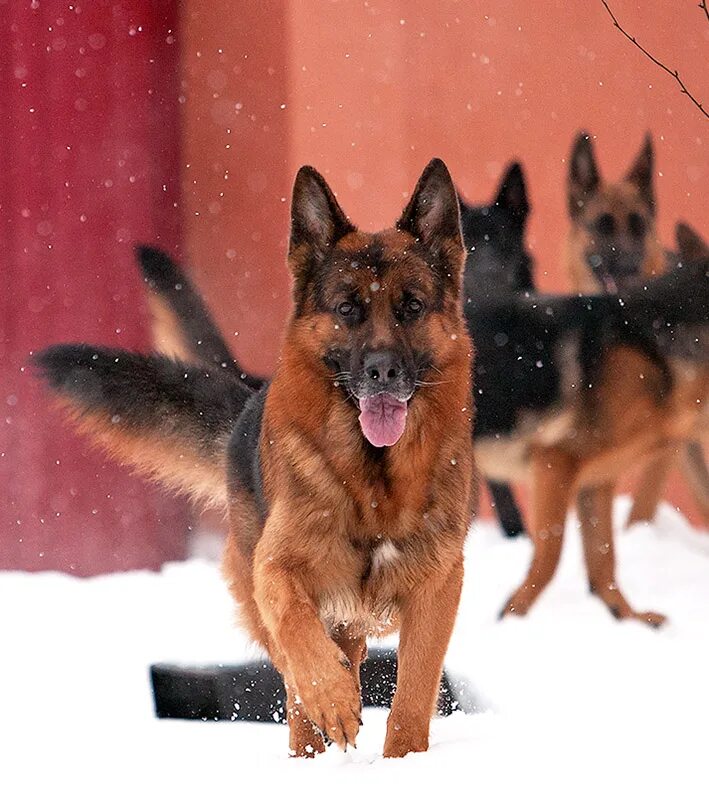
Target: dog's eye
345, 309
605, 225
636, 225
414, 307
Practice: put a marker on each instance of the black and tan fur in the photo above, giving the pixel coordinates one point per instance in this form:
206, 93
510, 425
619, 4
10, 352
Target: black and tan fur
331, 538
612, 244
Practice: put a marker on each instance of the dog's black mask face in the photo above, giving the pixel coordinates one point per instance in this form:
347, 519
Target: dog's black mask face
496, 256
616, 245
613, 223
374, 308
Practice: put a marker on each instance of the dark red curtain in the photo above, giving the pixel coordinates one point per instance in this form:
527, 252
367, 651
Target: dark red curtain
89, 161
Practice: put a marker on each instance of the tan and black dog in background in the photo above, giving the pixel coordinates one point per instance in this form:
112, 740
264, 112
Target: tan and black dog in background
612, 244
349, 478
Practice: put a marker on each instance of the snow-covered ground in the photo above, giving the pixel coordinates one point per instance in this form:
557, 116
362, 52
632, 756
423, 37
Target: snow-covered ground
578, 705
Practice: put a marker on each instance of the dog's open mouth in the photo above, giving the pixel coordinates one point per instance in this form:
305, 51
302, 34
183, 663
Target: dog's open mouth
382, 419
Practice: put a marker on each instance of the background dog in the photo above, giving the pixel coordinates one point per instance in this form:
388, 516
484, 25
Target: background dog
612, 244
497, 261
571, 391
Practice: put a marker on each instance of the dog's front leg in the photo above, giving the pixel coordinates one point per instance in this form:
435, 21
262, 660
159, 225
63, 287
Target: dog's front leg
595, 507
427, 618
317, 670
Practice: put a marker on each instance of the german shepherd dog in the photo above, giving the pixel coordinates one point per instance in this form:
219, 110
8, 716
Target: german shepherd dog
348, 478
612, 244
497, 261
569, 391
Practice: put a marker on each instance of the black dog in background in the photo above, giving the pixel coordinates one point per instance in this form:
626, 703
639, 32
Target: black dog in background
498, 264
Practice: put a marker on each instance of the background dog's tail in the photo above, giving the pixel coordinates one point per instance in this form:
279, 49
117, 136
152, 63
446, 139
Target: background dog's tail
181, 324
171, 421
674, 309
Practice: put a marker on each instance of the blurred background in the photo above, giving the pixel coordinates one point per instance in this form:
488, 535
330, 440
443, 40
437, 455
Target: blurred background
183, 123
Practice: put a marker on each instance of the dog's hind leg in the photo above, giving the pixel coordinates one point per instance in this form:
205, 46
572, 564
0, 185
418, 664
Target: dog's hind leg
595, 506
506, 508
354, 646
650, 487
552, 473
426, 626
694, 468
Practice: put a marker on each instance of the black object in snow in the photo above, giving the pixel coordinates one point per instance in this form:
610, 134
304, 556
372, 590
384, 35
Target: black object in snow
254, 692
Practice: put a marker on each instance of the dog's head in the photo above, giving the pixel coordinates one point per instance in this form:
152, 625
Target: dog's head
496, 256
612, 224
378, 313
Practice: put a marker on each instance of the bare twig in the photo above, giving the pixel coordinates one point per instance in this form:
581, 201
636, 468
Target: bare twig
703, 6
672, 72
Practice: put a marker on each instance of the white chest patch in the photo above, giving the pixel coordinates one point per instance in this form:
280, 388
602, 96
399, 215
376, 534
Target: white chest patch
385, 554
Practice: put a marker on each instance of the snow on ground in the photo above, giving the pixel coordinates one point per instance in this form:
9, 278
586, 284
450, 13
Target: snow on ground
577, 704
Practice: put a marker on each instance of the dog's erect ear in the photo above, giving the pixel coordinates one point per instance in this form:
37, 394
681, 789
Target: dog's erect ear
641, 171
584, 178
317, 220
432, 216
462, 205
512, 194
691, 245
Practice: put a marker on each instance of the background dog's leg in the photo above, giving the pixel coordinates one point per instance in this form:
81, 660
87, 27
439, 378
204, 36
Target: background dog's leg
552, 476
694, 468
426, 627
506, 508
595, 507
651, 486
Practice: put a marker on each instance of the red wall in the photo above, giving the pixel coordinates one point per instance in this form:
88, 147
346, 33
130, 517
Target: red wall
96, 104
88, 166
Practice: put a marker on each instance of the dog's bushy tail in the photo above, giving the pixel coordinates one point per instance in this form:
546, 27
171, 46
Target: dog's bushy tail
169, 420
674, 309
181, 324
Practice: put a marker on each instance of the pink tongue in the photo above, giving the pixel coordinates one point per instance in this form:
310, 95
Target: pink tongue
382, 418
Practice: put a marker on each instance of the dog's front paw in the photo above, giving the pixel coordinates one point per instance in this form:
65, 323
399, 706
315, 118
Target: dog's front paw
331, 700
403, 738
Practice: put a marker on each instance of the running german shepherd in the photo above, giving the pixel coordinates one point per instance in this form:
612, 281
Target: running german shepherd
497, 261
348, 479
612, 244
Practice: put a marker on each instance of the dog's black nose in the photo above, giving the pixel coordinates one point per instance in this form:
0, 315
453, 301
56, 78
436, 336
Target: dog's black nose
382, 366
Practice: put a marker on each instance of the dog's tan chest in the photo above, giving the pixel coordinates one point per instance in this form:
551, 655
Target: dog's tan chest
365, 602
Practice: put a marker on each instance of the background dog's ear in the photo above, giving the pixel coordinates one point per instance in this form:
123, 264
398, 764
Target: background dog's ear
640, 173
584, 178
433, 214
691, 245
317, 220
512, 194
